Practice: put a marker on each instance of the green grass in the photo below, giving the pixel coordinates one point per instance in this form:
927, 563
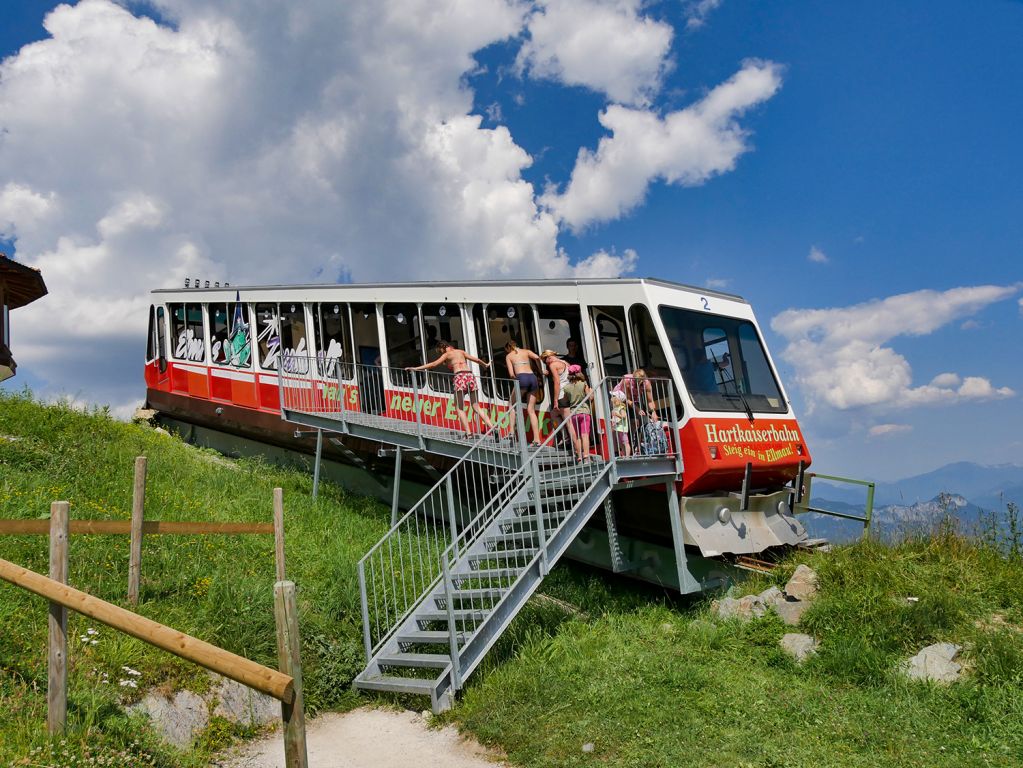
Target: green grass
647, 678
663, 684
218, 588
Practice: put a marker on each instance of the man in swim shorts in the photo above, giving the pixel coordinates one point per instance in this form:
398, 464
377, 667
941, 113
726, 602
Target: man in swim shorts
465, 382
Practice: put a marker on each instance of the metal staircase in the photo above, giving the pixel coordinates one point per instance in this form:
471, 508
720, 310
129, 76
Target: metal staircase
442, 585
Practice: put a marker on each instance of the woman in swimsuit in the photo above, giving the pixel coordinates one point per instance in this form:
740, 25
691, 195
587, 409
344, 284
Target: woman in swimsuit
465, 382
520, 367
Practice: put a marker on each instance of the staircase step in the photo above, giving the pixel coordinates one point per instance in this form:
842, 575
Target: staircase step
428, 637
520, 536
397, 684
551, 520
461, 615
460, 595
415, 660
486, 573
519, 556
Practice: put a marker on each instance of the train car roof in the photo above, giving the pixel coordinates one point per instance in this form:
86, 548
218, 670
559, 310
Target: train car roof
470, 284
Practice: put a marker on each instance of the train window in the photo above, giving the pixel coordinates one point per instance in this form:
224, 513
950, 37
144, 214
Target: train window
723, 362
558, 326
649, 352
441, 322
366, 334
151, 336
294, 347
268, 337
229, 334
401, 331
161, 338
332, 331
504, 323
188, 331
609, 324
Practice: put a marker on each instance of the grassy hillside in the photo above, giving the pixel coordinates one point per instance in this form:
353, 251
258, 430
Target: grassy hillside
647, 680
218, 588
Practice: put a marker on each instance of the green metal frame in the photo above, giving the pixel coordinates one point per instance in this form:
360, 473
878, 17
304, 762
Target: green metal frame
803, 499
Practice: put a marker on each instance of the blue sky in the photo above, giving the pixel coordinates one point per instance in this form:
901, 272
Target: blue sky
883, 135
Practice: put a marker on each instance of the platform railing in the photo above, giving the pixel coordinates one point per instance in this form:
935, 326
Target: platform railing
641, 417
414, 402
504, 546
403, 566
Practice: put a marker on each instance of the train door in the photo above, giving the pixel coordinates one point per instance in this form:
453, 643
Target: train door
188, 335
609, 331
268, 348
649, 354
157, 376
231, 354
368, 371
495, 326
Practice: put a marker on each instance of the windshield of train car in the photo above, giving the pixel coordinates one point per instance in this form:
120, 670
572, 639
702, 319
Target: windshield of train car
723, 362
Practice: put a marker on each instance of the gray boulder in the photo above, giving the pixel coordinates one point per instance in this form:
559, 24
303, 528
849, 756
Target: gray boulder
179, 719
744, 609
772, 596
935, 663
791, 611
803, 584
241, 704
798, 646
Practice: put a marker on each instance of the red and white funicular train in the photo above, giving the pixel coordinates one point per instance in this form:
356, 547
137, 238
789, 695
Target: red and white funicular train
214, 355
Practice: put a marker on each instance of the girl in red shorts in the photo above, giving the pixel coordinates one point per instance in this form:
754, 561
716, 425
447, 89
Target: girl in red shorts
578, 392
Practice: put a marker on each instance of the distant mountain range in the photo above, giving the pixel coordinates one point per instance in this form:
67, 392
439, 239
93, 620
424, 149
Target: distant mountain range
964, 490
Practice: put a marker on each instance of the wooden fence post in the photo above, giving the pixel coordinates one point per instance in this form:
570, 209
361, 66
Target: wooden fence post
56, 693
289, 653
138, 506
279, 532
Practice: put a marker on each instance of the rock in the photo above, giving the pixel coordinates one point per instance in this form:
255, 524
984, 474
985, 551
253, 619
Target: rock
791, 611
935, 663
162, 431
798, 646
143, 415
803, 584
177, 720
240, 704
772, 596
588, 746
744, 609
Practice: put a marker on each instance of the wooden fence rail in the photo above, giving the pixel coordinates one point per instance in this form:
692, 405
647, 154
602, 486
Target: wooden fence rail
123, 527
245, 671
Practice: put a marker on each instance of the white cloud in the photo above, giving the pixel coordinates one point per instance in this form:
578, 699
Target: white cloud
697, 11
262, 142
686, 147
717, 282
841, 359
970, 325
603, 45
887, 430
817, 256
1021, 306
946, 380
22, 209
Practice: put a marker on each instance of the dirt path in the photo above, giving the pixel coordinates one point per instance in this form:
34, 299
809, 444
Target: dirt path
370, 738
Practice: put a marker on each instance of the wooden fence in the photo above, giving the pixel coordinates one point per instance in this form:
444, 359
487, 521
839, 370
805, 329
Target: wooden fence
138, 527
284, 684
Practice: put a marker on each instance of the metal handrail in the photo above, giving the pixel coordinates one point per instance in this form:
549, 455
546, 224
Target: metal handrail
562, 473
420, 534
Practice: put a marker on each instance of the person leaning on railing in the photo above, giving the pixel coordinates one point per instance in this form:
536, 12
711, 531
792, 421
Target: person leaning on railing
632, 386
465, 382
